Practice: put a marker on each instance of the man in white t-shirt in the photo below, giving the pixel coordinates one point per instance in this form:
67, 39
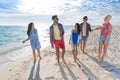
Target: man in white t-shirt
85, 28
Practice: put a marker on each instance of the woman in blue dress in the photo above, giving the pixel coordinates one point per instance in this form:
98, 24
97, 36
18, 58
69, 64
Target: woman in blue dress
74, 40
34, 40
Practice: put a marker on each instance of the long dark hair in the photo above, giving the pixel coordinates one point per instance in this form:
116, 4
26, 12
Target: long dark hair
78, 28
29, 28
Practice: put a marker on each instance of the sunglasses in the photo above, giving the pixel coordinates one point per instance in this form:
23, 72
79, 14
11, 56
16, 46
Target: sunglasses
56, 18
86, 19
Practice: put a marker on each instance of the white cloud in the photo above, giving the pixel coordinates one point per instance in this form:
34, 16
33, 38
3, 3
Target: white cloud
48, 6
40, 6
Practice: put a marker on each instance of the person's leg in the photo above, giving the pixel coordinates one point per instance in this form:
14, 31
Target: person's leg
34, 56
100, 50
57, 54
81, 45
84, 46
38, 50
105, 50
84, 39
75, 53
57, 44
63, 53
62, 46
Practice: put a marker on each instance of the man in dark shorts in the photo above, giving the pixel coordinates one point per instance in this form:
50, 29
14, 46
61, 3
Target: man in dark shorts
57, 37
85, 28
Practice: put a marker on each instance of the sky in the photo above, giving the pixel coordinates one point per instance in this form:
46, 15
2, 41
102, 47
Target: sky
21, 12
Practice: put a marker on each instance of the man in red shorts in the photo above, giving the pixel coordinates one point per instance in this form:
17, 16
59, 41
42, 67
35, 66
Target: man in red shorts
57, 37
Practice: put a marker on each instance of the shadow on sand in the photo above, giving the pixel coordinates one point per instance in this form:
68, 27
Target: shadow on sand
70, 71
37, 75
112, 69
63, 72
86, 71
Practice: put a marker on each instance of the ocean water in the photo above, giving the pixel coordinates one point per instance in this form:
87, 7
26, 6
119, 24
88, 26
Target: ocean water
10, 37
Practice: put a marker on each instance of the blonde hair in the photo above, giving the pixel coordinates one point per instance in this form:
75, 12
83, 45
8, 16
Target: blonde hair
108, 17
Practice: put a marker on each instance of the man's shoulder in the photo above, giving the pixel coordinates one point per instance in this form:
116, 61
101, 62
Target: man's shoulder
59, 24
51, 26
81, 24
88, 24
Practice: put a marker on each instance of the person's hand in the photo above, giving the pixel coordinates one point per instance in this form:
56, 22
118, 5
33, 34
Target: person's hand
52, 46
93, 30
23, 41
61, 35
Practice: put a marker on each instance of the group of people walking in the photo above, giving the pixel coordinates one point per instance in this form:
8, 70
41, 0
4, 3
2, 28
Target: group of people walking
78, 37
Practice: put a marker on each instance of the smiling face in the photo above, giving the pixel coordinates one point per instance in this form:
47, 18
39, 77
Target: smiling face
107, 18
85, 18
55, 20
75, 27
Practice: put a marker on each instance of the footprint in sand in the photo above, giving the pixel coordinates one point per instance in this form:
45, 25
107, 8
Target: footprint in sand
45, 55
10, 69
50, 78
56, 64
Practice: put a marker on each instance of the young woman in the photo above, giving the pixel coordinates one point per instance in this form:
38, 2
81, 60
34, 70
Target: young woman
34, 40
74, 40
106, 29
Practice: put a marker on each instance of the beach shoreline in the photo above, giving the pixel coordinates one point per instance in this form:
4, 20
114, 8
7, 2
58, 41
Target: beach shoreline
47, 69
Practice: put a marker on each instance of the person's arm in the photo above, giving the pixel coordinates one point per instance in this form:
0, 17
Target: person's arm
90, 28
26, 40
109, 31
98, 28
51, 37
62, 30
70, 39
37, 34
80, 27
78, 43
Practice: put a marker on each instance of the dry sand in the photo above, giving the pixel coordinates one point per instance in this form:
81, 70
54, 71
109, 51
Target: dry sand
86, 68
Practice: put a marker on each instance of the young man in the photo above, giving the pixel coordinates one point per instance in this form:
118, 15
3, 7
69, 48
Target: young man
85, 28
57, 37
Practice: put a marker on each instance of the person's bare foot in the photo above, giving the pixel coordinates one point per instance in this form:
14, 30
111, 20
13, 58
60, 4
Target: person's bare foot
58, 61
83, 52
40, 57
102, 60
99, 59
75, 61
62, 57
34, 61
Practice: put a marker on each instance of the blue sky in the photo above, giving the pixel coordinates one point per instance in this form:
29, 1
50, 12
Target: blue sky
69, 11
8, 6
